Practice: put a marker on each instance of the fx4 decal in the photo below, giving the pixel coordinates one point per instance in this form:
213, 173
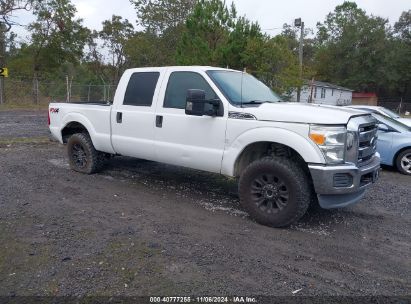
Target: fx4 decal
54, 110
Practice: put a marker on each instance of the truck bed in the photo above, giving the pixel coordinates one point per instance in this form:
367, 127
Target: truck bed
96, 103
95, 116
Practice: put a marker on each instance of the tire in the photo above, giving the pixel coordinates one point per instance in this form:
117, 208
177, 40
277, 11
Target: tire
275, 191
83, 157
403, 162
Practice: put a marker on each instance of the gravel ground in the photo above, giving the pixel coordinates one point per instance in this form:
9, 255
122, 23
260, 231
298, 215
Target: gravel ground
23, 123
143, 228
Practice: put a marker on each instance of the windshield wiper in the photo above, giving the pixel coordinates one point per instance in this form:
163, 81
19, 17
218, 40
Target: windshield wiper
254, 102
257, 102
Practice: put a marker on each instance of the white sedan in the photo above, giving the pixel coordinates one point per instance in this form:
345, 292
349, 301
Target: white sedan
385, 112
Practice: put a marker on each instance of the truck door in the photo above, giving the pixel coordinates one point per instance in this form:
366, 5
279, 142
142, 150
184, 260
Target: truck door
191, 141
133, 114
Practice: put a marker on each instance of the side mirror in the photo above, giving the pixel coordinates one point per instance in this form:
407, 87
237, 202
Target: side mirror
383, 128
197, 105
195, 102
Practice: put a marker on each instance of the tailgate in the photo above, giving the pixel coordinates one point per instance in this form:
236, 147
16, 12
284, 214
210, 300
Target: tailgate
55, 120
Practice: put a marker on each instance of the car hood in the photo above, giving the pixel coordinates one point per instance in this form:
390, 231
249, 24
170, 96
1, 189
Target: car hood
303, 113
405, 121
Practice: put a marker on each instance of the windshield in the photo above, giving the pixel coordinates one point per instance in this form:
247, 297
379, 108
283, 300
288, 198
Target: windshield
389, 113
391, 122
242, 88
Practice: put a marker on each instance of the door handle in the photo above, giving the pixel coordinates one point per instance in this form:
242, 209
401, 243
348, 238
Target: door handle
159, 121
119, 117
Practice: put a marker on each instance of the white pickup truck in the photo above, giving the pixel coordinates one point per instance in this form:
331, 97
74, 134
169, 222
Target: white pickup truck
286, 155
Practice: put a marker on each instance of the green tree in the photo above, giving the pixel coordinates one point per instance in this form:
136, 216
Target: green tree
57, 36
21, 61
352, 47
94, 57
241, 32
216, 36
271, 60
292, 35
115, 34
7, 9
147, 49
163, 23
156, 16
56, 46
93, 65
402, 27
397, 61
207, 34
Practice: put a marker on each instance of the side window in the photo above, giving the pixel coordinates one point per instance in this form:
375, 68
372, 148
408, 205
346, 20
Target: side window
140, 89
179, 83
323, 93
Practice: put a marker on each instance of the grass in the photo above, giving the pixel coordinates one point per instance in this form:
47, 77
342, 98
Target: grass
23, 106
138, 265
19, 259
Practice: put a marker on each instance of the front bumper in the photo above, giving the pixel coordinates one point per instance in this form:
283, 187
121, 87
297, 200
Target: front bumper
340, 186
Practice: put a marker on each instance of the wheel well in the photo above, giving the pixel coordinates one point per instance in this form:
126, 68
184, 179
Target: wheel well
259, 150
394, 161
72, 128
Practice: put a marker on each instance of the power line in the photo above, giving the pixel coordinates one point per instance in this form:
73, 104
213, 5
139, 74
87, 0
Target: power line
273, 29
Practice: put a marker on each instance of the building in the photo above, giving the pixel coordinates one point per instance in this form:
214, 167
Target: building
369, 99
324, 93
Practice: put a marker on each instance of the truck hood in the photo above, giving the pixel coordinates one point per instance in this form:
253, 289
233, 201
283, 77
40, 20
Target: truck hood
303, 113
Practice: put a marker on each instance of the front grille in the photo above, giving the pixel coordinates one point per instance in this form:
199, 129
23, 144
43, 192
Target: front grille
363, 144
367, 143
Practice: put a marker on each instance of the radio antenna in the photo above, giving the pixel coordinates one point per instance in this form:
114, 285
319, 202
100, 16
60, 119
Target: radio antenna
242, 78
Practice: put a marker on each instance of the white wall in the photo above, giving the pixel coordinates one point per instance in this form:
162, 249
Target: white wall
332, 96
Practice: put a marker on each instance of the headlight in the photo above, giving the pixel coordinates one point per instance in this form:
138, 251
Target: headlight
331, 141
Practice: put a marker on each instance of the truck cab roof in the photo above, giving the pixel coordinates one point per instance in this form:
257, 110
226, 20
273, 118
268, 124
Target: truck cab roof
182, 68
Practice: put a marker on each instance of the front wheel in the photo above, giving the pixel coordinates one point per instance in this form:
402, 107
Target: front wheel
83, 157
275, 191
403, 162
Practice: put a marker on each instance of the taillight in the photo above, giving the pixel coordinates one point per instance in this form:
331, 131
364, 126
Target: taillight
48, 117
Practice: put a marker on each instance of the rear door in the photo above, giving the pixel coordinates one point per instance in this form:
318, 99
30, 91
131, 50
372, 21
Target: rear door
133, 114
191, 141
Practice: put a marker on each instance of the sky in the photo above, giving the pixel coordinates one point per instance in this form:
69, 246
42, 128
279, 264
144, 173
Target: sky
270, 14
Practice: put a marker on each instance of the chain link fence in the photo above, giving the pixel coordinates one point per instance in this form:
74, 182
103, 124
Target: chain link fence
397, 104
17, 91
23, 91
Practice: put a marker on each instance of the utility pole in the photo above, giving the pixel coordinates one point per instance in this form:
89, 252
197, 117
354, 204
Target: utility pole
67, 89
2, 60
299, 23
2, 90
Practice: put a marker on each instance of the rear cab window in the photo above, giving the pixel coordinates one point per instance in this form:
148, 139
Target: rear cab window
140, 89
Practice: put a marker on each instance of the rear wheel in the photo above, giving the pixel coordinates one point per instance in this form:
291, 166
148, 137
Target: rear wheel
403, 162
275, 191
83, 157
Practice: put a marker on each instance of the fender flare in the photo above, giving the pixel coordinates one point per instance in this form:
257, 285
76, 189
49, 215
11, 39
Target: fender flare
81, 119
305, 148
